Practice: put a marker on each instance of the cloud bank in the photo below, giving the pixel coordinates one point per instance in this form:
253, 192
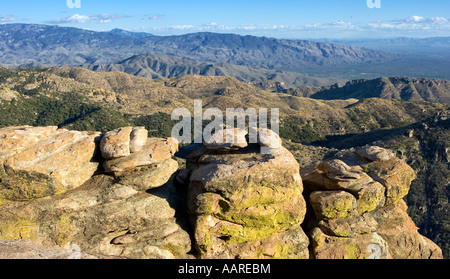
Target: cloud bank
76, 19
7, 19
414, 25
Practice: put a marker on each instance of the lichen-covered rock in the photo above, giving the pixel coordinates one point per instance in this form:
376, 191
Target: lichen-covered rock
364, 246
112, 216
102, 217
40, 162
358, 208
244, 204
333, 204
395, 175
399, 231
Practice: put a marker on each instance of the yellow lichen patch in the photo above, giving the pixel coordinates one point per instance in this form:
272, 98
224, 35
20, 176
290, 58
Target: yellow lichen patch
24, 186
63, 230
352, 251
19, 228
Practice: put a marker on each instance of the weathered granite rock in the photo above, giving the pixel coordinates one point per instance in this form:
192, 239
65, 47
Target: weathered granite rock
401, 234
111, 216
364, 246
246, 204
375, 153
226, 139
243, 202
39, 162
395, 175
116, 144
333, 204
335, 175
268, 138
138, 138
27, 250
358, 208
148, 177
154, 151
122, 142
103, 218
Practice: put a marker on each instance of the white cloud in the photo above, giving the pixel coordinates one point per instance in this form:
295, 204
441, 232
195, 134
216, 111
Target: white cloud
414, 23
76, 18
153, 17
7, 18
215, 27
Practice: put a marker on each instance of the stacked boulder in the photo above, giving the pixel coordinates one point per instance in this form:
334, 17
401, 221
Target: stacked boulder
54, 191
245, 203
358, 208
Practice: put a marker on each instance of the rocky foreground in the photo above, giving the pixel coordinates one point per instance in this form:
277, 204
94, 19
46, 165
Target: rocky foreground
69, 194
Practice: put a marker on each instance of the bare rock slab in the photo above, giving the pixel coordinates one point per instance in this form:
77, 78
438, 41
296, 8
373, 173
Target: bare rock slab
46, 161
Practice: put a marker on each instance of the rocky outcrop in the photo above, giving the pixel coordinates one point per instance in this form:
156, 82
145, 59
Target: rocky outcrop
121, 195
358, 211
128, 210
245, 204
44, 161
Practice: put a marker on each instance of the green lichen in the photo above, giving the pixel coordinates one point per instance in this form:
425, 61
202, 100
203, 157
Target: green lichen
283, 251
263, 195
352, 251
369, 201
18, 228
173, 249
24, 186
204, 244
255, 226
63, 230
339, 209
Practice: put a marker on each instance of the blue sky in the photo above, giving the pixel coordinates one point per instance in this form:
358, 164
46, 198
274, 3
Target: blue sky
272, 18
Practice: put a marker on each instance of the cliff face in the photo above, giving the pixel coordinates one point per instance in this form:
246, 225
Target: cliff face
121, 194
358, 208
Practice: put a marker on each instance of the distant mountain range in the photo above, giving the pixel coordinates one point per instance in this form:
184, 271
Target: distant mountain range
155, 66
436, 47
130, 33
29, 44
399, 88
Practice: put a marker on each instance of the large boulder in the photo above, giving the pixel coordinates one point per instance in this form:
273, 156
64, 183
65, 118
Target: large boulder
246, 204
358, 208
153, 151
44, 161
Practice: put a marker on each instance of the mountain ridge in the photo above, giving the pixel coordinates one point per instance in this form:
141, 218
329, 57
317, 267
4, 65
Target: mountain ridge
400, 88
155, 66
56, 46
